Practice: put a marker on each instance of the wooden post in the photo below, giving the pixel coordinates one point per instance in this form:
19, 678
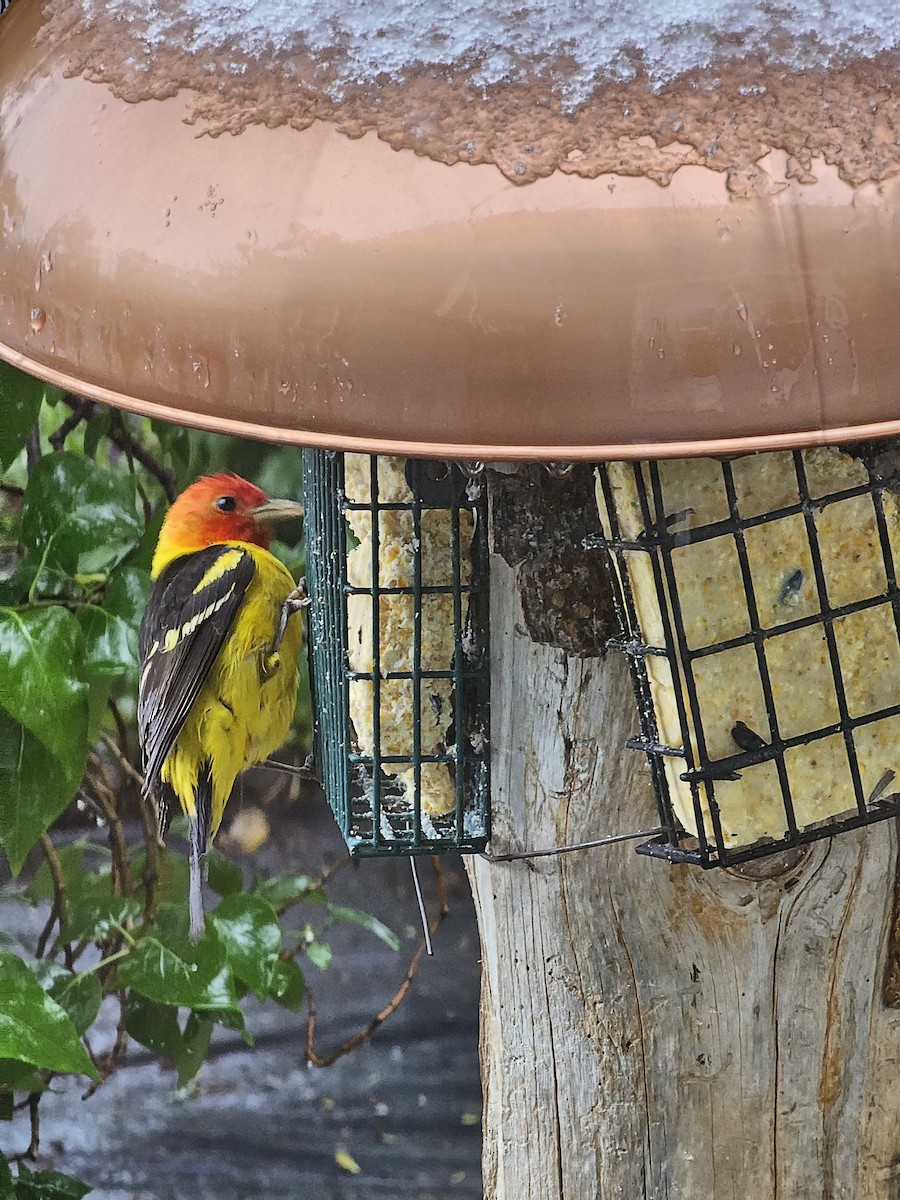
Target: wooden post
652, 1031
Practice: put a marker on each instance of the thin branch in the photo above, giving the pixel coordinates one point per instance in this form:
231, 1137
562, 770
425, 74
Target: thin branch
34, 1143
34, 1117
33, 449
364, 1034
106, 798
81, 412
150, 874
332, 869
129, 444
108, 1064
41, 948
124, 762
122, 750
60, 903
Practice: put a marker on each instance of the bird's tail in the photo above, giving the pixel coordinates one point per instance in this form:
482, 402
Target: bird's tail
199, 827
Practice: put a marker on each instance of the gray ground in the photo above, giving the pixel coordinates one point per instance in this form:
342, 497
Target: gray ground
260, 1123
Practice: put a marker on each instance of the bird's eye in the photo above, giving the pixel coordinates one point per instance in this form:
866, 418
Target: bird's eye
226, 504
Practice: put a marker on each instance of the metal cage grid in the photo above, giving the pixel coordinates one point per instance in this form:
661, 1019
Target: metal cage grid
658, 541
377, 793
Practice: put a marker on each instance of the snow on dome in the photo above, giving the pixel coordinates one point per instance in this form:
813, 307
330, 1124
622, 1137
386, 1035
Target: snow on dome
639, 88
662, 39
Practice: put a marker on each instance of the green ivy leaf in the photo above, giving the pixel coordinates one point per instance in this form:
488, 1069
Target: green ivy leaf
71, 863
93, 908
19, 1077
288, 986
126, 594
96, 429
248, 929
340, 912
49, 1185
156, 1027
223, 877
142, 556
77, 517
175, 443
197, 976
20, 402
43, 723
34, 790
40, 657
173, 874
232, 1019
193, 1046
281, 891
33, 1027
79, 996
153, 1025
110, 644
7, 1187
320, 954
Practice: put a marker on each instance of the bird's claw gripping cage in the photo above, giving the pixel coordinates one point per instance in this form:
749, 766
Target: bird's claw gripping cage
761, 619
397, 574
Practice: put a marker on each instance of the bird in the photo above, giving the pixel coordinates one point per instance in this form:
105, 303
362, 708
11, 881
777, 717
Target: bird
218, 647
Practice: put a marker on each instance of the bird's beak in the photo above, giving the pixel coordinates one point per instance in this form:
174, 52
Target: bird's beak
278, 510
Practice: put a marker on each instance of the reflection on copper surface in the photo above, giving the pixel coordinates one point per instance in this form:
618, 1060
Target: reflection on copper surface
310, 287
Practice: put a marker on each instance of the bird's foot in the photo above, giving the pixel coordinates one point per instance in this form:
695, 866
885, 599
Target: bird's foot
296, 600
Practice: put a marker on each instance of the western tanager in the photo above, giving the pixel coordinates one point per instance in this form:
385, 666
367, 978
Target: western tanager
218, 653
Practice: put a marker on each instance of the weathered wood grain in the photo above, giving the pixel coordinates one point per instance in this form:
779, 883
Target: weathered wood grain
652, 1031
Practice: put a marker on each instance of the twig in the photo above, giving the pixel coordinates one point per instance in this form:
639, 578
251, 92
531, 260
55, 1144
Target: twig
108, 1064
106, 798
122, 750
125, 763
81, 412
12, 489
33, 449
150, 874
129, 444
332, 869
41, 948
397, 999
31, 1153
60, 903
34, 1117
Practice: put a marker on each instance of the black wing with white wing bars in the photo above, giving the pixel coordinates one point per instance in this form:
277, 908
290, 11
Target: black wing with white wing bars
191, 608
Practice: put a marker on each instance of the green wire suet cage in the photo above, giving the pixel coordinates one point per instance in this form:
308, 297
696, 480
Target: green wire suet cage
398, 641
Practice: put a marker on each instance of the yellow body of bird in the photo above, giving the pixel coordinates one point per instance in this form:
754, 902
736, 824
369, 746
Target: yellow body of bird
244, 709
219, 649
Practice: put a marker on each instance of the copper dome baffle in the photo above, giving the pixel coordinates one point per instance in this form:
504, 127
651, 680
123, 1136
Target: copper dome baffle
296, 284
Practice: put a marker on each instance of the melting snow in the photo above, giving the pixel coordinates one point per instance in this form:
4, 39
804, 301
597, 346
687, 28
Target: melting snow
612, 40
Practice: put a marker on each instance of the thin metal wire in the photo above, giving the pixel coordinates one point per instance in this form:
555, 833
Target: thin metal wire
423, 915
611, 840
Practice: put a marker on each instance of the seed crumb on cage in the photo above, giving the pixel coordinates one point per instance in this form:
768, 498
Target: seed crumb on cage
761, 616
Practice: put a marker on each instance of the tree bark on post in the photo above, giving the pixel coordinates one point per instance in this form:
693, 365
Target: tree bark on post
647, 1030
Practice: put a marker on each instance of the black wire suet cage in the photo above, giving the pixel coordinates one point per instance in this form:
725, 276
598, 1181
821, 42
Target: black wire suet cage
760, 612
398, 638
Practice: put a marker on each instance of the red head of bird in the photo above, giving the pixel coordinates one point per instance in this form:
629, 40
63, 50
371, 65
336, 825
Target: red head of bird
216, 509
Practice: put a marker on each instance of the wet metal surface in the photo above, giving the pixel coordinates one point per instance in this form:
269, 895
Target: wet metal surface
257, 1122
